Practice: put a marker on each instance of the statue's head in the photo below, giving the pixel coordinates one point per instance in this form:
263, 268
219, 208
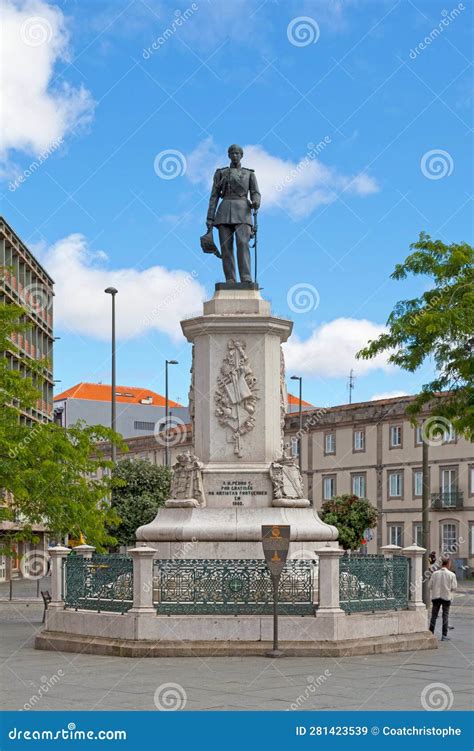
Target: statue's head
235, 153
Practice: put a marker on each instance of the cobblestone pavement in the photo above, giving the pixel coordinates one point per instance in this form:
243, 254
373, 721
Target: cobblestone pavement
84, 682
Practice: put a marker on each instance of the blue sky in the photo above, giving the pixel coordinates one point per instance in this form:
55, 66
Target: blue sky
393, 118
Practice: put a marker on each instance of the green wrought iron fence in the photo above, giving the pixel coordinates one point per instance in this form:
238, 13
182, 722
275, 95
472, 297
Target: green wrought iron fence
373, 582
232, 586
104, 582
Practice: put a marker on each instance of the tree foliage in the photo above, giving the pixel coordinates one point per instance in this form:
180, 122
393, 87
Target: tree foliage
352, 516
50, 475
140, 489
438, 325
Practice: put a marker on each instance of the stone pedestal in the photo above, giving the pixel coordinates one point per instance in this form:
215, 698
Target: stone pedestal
329, 556
57, 554
415, 556
142, 581
238, 477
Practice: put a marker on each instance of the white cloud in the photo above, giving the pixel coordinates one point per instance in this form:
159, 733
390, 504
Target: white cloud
387, 395
153, 299
296, 187
330, 350
37, 111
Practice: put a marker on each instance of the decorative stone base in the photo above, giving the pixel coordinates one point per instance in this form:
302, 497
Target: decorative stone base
233, 525
148, 634
64, 642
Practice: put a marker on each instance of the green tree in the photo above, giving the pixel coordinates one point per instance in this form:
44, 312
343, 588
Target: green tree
437, 326
140, 489
49, 475
352, 516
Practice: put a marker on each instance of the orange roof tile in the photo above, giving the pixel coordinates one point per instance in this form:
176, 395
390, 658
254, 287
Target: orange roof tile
100, 392
294, 400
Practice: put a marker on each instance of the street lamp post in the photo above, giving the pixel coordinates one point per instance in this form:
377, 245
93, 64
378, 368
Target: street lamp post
300, 432
112, 291
167, 449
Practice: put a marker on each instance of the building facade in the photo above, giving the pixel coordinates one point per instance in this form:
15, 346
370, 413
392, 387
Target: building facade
23, 281
139, 411
371, 450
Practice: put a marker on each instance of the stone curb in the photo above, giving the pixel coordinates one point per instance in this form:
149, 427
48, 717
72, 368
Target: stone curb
63, 642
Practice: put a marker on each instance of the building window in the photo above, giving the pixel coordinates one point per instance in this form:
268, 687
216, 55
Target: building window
417, 483
418, 436
417, 535
449, 486
329, 487
139, 425
359, 440
395, 436
448, 537
449, 435
330, 443
471, 480
295, 447
395, 534
471, 540
358, 485
395, 484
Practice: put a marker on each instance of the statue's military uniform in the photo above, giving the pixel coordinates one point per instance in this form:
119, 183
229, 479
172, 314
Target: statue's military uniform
233, 216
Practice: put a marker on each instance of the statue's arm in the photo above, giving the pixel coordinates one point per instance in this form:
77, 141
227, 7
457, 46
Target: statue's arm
213, 200
255, 196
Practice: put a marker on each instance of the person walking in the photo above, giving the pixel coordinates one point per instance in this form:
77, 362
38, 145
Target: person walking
441, 587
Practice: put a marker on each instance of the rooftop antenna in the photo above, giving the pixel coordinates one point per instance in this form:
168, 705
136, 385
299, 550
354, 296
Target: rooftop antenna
350, 385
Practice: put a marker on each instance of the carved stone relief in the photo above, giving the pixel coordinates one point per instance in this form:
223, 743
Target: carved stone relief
236, 394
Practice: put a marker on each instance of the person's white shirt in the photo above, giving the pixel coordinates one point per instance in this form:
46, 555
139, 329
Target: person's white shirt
442, 584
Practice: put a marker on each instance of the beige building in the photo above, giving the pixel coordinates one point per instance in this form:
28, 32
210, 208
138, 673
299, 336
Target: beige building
371, 449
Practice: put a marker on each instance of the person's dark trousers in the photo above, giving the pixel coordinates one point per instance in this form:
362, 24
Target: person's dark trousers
436, 605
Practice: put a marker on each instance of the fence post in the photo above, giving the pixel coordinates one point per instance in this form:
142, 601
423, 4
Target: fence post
329, 558
390, 550
86, 551
415, 554
142, 580
57, 554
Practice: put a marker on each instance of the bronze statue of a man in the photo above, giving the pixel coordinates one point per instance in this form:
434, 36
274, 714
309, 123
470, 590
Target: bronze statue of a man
233, 185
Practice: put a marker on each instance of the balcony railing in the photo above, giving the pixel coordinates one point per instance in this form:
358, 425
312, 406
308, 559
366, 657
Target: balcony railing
447, 499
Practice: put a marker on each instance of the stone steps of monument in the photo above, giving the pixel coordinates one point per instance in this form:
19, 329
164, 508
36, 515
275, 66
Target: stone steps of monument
65, 642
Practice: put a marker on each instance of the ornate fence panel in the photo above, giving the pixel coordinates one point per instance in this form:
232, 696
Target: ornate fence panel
230, 586
373, 582
104, 582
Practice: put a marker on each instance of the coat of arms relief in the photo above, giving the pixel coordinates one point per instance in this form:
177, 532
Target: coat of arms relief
236, 394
